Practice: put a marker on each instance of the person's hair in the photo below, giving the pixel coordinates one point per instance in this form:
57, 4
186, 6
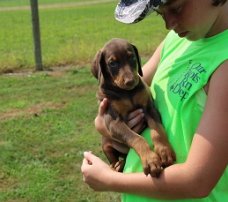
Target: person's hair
218, 2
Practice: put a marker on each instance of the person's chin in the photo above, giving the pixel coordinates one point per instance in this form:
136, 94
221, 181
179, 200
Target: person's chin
183, 34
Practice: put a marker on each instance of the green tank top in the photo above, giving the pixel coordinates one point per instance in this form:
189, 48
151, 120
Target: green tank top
177, 88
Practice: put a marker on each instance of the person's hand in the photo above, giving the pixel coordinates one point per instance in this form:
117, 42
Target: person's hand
136, 120
95, 172
99, 120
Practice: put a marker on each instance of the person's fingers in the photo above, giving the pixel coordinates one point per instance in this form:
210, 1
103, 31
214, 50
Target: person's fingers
103, 106
135, 118
139, 127
85, 162
135, 113
89, 157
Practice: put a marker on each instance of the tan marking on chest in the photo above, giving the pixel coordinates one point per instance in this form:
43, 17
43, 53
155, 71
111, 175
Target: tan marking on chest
141, 98
125, 106
122, 107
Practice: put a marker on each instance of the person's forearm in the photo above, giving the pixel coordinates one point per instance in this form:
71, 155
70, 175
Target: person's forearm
150, 67
172, 184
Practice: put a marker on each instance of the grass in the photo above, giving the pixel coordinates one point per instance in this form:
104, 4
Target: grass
12, 3
46, 118
46, 122
70, 35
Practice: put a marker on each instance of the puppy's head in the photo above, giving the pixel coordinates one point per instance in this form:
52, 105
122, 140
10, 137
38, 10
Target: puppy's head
118, 63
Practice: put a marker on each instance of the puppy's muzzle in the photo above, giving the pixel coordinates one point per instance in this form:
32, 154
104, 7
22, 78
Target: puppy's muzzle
129, 82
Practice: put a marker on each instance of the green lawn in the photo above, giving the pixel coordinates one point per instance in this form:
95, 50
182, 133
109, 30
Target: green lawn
12, 3
70, 35
46, 122
46, 118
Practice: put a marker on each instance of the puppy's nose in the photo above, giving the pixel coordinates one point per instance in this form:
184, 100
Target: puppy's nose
129, 82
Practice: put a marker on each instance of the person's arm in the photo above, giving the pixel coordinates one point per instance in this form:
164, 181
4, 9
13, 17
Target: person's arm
195, 178
150, 67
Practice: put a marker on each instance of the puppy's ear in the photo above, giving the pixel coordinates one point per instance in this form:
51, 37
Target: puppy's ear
103, 66
95, 69
138, 60
99, 67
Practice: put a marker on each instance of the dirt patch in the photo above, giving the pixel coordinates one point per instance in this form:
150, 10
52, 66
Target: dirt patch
56, 71
32, 111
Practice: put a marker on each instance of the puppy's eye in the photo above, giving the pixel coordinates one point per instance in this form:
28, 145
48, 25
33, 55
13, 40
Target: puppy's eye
113, 64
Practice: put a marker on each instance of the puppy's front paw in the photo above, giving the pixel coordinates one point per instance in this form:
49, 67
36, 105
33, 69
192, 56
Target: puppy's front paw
166, 153
152, 164
118, 166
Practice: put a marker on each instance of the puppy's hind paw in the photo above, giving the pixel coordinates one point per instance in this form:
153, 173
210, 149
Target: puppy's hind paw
118, 166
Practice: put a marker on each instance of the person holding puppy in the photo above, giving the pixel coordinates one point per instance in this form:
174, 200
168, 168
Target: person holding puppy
188, 75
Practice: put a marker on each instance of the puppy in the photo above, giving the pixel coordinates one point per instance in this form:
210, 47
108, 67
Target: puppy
118, 70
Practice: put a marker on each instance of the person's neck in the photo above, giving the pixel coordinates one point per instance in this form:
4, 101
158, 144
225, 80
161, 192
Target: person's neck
221, 23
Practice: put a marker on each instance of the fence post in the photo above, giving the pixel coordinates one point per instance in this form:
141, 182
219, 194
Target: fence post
36, 34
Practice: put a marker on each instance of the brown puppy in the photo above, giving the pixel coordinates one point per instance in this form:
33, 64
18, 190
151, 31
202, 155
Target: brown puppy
117, 67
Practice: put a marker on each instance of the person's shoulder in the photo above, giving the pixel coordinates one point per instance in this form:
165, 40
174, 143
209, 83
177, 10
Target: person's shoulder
218, 88
221, 72
216, 111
